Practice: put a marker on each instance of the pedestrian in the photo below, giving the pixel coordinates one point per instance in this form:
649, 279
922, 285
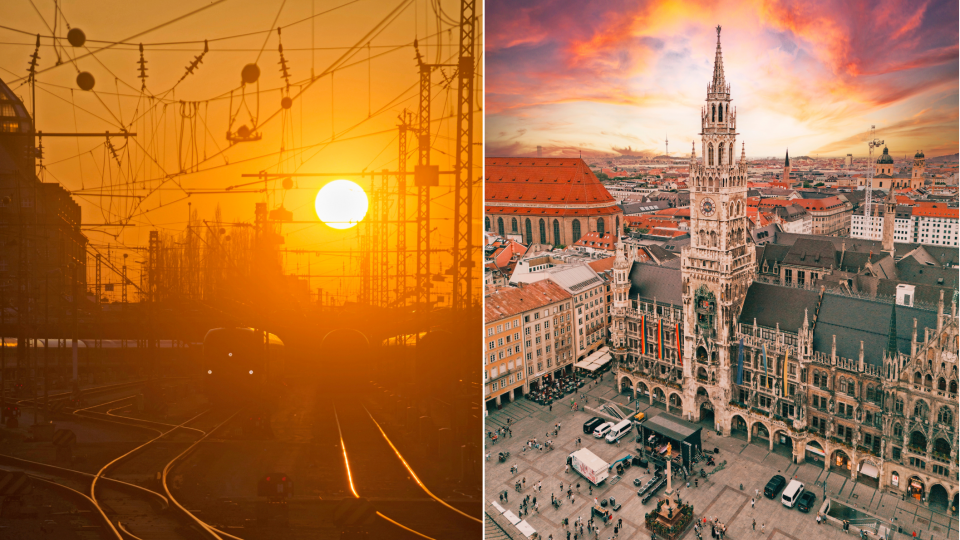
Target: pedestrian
501, 500
755, 523
566, 470
696, 482
524, 482
591, 489
506, 496
818, 518
578, 487
756, 493
568, 535
753, 502
573, 499
551, 407
763, 527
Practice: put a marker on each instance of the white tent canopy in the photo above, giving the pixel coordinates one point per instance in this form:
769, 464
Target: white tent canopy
596, 360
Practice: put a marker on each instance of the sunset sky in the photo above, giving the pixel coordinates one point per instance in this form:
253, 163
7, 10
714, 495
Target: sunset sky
179, 145
618, 77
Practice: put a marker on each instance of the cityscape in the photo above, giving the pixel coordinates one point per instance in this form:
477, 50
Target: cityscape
721, 325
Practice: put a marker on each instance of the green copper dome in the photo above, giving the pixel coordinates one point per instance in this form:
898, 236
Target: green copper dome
919, 154
885, 158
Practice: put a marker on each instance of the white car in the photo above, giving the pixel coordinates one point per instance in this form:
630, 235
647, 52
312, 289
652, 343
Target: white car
603, 429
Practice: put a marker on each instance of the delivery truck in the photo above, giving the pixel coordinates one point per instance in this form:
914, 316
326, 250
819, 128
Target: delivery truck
590, 466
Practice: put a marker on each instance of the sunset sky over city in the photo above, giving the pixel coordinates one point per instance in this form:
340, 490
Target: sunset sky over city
618, 77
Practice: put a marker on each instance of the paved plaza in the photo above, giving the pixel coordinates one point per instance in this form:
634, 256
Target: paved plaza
718, 496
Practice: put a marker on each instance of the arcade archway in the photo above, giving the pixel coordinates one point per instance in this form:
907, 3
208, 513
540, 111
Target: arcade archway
813, 453
840, 462
939, 498
738, 427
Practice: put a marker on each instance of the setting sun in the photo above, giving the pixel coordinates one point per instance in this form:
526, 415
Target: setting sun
341, 204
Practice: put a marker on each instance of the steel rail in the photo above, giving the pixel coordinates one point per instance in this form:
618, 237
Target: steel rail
346, 462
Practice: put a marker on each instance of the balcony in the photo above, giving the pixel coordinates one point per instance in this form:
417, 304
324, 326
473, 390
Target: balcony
943, 458
917, 450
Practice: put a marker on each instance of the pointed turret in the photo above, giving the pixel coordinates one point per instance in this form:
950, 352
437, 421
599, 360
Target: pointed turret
892, 334
719, 83
743, 152
786, 162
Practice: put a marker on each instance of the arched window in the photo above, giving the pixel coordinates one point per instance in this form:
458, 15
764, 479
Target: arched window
556, 232
917, 378
529, 227
710, 157
486, 223
898, 406
720, 150
576, 230
600, 226
942, 384
920, 409
543, 232
944, 416
721, 113
713, 115
897, 431
953, 387
928, 381
513, 225
500, 226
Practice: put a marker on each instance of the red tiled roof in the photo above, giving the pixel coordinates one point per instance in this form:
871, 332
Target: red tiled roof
931, 211
553, 212
508, 301
678, 212
542, 180
666, 232
594, 240
602, 265
819, 204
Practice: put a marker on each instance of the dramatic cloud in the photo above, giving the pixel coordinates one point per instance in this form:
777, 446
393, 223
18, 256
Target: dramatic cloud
812, 74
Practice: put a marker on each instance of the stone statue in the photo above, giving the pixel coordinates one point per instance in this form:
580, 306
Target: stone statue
859, 414
830, 406
883, 446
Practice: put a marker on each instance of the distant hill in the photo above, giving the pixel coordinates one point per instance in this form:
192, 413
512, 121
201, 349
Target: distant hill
952, 158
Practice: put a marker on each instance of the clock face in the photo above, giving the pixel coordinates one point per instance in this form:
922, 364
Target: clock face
707, 208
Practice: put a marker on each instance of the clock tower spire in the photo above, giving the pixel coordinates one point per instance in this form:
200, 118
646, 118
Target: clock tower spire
718, 264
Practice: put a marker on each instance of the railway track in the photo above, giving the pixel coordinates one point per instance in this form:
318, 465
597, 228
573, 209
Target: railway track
379, 472
124, 509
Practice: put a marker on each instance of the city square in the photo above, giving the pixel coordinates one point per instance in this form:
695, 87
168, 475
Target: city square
719, 496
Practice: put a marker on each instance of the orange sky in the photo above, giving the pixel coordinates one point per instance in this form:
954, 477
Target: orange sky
182, 131
618, 77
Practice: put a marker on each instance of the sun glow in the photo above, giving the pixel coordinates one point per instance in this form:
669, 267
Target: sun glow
341, 204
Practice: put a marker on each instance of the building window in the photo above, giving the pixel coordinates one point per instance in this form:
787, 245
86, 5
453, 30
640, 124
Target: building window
600, 226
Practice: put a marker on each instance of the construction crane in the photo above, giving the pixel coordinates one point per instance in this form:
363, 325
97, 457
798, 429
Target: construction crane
867, 214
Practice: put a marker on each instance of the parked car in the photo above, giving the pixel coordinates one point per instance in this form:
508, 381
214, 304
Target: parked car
773, 487
592, 424
806, 501
603, 429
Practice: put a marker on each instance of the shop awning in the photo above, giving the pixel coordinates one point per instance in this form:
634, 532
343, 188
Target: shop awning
815, 450
870, 470
596, 360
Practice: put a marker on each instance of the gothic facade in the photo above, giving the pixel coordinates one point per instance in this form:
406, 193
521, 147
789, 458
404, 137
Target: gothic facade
862, 385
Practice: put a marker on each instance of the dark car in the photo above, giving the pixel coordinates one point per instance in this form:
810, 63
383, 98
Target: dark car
592, 424
806, 501
774, 486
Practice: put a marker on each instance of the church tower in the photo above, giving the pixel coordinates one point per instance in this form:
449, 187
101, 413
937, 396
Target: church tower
718, 264
919, 167
786, 168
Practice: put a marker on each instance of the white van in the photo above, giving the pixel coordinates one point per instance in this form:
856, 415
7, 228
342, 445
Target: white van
792, 493
602, 429
619, 430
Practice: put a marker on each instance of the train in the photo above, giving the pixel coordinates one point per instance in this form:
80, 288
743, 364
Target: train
241, 365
